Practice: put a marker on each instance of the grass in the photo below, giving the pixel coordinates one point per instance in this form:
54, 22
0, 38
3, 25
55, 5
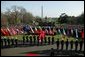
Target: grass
19, 37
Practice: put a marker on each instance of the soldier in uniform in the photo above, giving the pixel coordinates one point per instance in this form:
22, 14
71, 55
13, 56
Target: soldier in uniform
52, 40
30, 40
52, 52
62, 44
48, 40
45, 39
81, 44
76, 45
1, 41
37, 40
8, 40
71, 44
34, 39
26, 38
57, 43
16, 42
5, 41
12, 40
67, 43
23, 40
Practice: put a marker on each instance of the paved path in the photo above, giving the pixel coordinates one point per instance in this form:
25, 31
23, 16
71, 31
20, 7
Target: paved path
19, 51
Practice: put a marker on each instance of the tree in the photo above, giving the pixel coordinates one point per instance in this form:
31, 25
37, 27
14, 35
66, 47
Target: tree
80, 19
18, 15
38, 20
63, 18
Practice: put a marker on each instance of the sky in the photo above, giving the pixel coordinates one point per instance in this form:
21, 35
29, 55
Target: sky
50, 8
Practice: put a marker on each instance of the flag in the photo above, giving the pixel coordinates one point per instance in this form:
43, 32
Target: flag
8, 31
46, 31
59, 31
31, 29
3, 32
51, 32
64, 32
82, 35
41, 34
71, 31
76, 33
17, 30
13, 31
35, 28
40, 28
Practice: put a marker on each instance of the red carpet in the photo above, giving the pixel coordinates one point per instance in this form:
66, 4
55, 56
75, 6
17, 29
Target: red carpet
32, 54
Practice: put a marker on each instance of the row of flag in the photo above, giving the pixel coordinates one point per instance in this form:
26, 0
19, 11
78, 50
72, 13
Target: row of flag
60, 31
71, 32
10, 31
14, 31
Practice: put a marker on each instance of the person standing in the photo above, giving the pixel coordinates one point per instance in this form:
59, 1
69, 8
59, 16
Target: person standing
71, 44
81, 44
12, 40
52, 40
57, 43
8, 40
5, 41
52, 52
62, 44
67, 44
30, 40
76, 44
23, 39
27, 38
1, 41
48, 40
16, 42
34, 39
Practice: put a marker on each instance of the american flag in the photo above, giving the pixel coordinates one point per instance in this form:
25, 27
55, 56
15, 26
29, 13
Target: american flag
31, 29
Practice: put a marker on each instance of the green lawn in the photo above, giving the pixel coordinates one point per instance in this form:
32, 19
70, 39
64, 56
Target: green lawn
19, 37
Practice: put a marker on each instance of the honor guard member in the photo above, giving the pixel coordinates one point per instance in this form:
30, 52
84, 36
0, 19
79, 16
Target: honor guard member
26, 38
30, 40
23, 40
16, 41
62, 44
48, 40
57, 43
37, 40
12, 41
71, 44
8, 40
67, 43
76, 44
81, 44
1, 41
45, 40
52, 52
34, 39
5, 41
52, 40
